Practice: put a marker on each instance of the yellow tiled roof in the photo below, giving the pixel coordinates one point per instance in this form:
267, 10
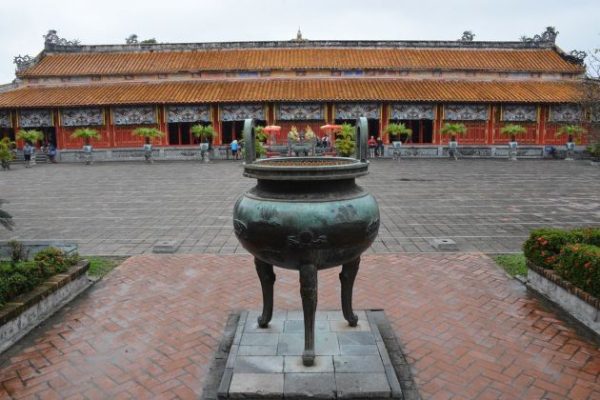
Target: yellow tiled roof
291, 90
111, 63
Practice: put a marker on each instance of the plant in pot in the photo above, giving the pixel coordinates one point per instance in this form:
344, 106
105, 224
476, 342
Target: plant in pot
31, 137
398, 131
296, 142
205, 133
512, 130
453, 130
259, 144
6, 153
345, 142
87, 134
148, 134
573, 133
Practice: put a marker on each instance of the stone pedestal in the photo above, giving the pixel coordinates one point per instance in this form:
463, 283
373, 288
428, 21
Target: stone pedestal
351, 362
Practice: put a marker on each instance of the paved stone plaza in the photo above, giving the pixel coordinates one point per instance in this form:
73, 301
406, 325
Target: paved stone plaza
151, 328
126, 208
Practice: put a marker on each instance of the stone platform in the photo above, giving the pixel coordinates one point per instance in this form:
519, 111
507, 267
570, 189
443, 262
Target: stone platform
267, 363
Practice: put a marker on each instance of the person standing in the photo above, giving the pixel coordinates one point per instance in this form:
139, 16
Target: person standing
234, 149
52, 153
372, 144
27, 153
380, 148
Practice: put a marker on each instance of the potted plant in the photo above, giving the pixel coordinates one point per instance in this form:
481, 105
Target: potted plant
296, 142
205, 134
6, 153
86, 134
261, 139
30, 137
453, 130
398, 131
148, 134
572, 131
512, 130
345, 142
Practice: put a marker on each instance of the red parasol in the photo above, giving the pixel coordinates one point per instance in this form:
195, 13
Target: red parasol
272, 128
331, 128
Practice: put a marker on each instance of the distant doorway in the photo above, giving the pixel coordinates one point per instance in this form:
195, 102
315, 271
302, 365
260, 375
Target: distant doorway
372, 123
231, 130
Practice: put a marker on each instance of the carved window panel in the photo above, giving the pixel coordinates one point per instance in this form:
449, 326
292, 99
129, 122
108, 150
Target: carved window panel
355, 110
566, 113
300, 111
5, 119
35, 118
240, 112
466, 112
413, 111
188, 113
82, 117
595, 113
144, 115
519, 113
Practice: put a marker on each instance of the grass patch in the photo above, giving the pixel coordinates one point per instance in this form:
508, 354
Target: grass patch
513, 264
100, 266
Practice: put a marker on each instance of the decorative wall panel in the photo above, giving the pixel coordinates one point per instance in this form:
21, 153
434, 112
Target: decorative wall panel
188, 113
413, 111
566, 113
35, 118
5, 120
355, 110
466, 112
519, 113
82, 117
595, 113
134, 115
239, 112
300, 111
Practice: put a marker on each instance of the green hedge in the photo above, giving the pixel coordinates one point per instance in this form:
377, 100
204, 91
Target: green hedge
544, 245
20, 277
580, 264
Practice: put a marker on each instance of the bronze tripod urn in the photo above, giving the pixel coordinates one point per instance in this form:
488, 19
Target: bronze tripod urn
306, 214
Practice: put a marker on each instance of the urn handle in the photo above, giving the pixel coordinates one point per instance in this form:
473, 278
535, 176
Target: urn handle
249, 139
362, 133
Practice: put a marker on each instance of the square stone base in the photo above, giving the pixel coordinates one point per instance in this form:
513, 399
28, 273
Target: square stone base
266, 363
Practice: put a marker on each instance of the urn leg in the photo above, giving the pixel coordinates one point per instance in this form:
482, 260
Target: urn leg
267, 280
347, 277
308, 292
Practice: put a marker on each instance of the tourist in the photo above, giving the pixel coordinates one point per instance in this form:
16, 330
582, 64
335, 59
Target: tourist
52, 153
234, 149
379, 150
372, 143
27, 153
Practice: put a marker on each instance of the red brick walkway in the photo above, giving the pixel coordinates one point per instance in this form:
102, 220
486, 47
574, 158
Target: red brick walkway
150, 328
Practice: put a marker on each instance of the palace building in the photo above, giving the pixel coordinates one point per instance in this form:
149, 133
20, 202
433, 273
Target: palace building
116, 88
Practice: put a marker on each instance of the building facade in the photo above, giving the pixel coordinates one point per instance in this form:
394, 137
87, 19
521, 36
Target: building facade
117, 88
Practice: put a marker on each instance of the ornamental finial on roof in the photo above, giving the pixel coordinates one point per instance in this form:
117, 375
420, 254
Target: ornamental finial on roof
299, 37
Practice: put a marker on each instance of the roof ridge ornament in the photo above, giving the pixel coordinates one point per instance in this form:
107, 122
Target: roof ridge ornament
23, 62
299, 37
467, 36
549, 35
52, 39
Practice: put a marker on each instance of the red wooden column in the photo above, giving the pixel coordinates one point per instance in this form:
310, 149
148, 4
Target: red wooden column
216, 123
541, 129
162, 123
384, 122
489, 134
110, 127
58, 129
437, 124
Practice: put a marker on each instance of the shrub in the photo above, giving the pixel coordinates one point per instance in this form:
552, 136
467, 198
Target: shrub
580, 264
52, 261
18, 251
543, 246
345, 144
586, 236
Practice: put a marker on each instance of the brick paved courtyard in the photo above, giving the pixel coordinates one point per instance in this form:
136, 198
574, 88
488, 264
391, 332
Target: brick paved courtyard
150, 328
124, 208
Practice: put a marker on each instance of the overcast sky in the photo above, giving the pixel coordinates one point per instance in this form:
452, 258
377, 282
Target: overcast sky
23, 23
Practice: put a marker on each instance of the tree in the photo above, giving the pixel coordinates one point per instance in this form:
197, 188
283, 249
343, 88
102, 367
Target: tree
6, 153
453, 130
131, 39
31, 136
399, 130
204, 133
148, 133
86, 134
345, 142
512, 130
590, 100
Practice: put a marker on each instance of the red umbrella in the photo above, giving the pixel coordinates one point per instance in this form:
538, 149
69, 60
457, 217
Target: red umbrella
272, 128
331, 128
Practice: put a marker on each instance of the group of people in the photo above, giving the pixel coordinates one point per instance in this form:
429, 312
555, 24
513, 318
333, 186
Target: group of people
376, 147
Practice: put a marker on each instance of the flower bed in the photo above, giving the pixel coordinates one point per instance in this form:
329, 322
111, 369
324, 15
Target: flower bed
567, 263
